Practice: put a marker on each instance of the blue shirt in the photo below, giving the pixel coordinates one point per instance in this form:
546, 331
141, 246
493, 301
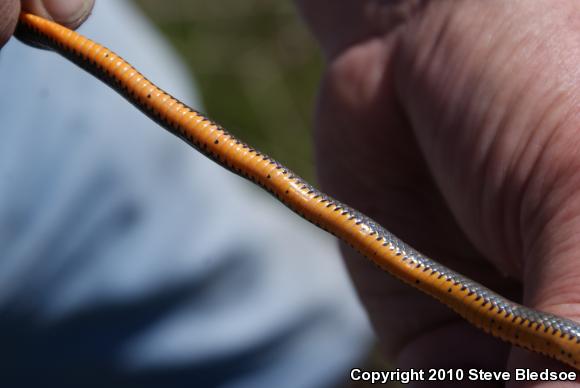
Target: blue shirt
128, 258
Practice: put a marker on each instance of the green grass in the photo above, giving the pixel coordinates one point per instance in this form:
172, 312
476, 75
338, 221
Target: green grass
256, 66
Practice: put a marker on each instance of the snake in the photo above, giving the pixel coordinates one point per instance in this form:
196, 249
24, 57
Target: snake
538, 331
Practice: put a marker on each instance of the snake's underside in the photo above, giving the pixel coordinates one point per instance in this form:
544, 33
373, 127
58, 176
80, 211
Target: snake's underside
541, 332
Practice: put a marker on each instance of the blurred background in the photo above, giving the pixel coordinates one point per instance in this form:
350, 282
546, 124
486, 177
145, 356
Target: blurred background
121, 265
257, 70
256, 66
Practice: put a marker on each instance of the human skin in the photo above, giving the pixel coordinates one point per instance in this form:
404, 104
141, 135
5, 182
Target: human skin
70, 13
455, 124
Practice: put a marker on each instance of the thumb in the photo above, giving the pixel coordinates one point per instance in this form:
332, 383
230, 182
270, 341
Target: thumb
551, 274
497, 121
70, 13
8, 17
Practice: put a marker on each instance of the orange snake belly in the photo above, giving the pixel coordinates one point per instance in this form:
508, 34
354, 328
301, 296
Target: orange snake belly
541, 332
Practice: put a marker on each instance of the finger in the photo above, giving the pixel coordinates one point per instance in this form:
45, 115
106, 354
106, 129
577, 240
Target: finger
71, 13
358, 123
9, 10
338, 25
523, 361
522, 208
551, 269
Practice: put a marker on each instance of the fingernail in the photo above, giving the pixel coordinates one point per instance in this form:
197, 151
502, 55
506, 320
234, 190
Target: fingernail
69, 12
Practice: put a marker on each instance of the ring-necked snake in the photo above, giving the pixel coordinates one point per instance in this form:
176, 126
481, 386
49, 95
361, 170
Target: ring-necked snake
541, 332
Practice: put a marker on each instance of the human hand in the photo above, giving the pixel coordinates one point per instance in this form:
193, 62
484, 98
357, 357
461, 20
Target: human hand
70, 13
455, 125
